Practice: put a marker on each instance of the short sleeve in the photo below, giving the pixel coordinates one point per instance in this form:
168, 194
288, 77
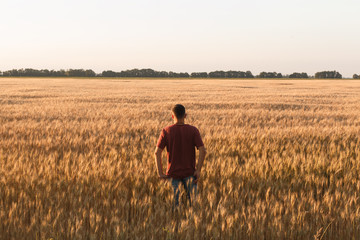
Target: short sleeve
197, 139
162, 141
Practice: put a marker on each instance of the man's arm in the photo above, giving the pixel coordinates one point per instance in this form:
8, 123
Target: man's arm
158, 152
202, 153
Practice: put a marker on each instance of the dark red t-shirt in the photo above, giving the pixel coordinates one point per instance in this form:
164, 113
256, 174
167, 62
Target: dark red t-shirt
180, 141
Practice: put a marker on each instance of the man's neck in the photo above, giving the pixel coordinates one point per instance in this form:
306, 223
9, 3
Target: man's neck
180, 122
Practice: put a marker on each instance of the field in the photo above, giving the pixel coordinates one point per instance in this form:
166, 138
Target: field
76, 159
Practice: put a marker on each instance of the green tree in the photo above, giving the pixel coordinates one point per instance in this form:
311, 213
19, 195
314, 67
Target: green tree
298, 75
328, 74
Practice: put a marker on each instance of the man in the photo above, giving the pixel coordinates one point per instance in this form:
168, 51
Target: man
180, 140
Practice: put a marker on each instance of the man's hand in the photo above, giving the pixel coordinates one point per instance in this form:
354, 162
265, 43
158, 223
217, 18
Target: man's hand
158, 163
163, 176
202, 153
197, 176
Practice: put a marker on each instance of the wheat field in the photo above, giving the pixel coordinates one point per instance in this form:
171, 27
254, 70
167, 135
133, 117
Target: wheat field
76, 159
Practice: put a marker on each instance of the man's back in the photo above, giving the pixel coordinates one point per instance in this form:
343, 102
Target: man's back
180, 141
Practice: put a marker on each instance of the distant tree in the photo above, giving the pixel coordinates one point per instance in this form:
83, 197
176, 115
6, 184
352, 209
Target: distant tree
178, 75
29, 72
233, 74
298, 75
355, 76
44, 72
263, 75
90, 73
74, 73
199, 75
230, 74
6, 74
172, 74
60, 73
145, 73
184, 75
14, 73
248, 74
163, 74
328, 74
304, 75
269, 75
217, 74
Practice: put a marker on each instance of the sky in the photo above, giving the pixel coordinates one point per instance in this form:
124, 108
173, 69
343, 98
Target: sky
184, 36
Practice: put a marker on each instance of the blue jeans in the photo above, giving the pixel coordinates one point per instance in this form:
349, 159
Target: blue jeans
189, 186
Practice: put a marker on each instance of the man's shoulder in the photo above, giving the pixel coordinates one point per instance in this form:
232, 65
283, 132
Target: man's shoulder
192, 127
168, 127
187, 126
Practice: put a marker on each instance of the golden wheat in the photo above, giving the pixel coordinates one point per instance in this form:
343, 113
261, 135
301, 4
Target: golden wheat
76, 159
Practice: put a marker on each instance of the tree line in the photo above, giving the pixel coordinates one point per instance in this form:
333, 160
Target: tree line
29, 72
150, 73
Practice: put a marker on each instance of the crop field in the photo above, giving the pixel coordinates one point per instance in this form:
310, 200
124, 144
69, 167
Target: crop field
77, 159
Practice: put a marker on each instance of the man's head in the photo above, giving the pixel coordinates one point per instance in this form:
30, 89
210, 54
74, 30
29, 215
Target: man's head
178, 112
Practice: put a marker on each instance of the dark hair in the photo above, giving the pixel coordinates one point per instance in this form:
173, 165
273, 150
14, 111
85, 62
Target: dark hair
179, 111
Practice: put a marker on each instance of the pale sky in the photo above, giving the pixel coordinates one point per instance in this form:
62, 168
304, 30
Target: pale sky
259, 35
